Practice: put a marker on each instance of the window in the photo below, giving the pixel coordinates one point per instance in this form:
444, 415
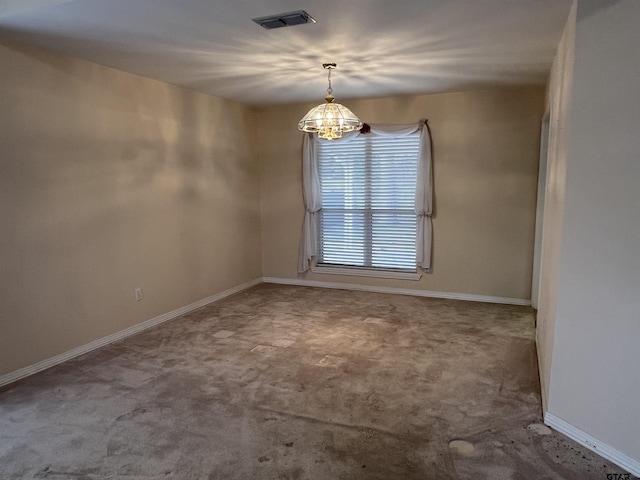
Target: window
368, 191
367, 200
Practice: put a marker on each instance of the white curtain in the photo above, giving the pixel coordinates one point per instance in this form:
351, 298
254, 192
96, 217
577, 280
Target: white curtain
312, 203
313, 198
423, 207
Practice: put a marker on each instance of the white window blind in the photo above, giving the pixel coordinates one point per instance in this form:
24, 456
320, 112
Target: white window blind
368, 190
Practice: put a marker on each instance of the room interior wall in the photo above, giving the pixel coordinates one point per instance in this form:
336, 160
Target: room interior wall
558, 99
485, 150
110, 182
595, 384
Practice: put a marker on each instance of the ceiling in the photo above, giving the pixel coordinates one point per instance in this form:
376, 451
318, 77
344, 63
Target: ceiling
381, 47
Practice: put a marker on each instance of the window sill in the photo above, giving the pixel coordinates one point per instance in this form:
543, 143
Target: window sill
366, 272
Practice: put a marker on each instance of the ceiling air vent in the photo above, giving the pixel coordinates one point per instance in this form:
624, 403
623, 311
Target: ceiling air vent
287, 19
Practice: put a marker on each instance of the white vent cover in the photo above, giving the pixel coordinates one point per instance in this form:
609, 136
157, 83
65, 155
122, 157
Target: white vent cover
287, 19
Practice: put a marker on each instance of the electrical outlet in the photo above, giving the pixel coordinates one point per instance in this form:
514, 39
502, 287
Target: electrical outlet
138, 294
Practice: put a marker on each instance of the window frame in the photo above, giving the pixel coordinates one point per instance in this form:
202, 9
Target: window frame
318, 266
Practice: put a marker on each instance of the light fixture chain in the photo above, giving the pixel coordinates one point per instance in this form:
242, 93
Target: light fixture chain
329, 120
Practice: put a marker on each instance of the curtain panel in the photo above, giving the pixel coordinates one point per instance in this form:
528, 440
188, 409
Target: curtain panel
313, 198
312, 203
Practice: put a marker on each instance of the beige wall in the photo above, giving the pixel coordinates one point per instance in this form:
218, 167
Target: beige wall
486, 146
108, 182
595, 380
558, 101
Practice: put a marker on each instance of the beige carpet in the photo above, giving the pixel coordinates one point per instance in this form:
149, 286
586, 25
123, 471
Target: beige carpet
286, 382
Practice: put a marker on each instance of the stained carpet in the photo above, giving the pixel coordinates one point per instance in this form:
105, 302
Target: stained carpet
282, 382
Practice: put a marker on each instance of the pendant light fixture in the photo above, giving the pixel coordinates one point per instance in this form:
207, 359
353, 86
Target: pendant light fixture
329, 119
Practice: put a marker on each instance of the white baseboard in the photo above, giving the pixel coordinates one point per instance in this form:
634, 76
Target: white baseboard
623, 461
398, 291
127, 332
50, 362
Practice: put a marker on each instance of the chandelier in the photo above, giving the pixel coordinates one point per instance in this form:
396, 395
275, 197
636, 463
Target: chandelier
329, 119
